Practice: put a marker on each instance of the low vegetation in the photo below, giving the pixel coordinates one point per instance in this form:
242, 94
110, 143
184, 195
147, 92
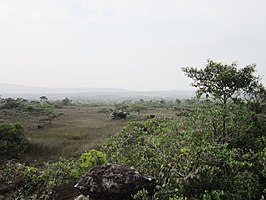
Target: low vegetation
13, 142
19, 181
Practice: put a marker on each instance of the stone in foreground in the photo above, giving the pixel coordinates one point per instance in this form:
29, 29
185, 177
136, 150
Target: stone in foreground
114, 182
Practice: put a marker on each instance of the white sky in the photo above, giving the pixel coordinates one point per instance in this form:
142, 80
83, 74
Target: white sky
130, 44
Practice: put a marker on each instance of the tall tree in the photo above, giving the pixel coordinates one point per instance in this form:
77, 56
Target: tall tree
225, 83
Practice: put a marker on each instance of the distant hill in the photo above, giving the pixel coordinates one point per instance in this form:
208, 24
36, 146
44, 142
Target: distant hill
20, 89
16, 91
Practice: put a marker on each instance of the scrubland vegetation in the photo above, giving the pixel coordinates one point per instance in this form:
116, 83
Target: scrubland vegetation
210, 147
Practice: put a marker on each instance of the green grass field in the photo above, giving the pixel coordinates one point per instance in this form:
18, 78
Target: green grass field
81, 128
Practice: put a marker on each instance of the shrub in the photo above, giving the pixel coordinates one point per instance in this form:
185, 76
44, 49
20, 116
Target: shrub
61, 172
39, 183
12, 140
187, 161
151, 147
90, 159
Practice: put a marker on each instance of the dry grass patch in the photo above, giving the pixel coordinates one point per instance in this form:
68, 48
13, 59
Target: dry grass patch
81, 128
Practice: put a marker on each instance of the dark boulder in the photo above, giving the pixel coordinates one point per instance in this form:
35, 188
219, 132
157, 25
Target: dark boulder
118, 114
151, 116
114, 181
40, 126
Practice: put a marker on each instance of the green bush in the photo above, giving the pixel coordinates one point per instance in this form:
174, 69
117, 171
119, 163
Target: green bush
151, 147
39, 183
188, 160
90, 159
12, 140
61, 172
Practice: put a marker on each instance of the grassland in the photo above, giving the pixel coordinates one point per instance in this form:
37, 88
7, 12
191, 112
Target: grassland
80, 128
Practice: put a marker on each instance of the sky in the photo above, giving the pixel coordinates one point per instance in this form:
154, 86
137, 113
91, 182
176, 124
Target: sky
129, 44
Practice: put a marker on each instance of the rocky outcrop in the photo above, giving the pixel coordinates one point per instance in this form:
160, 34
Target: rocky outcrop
118, 114
114, 182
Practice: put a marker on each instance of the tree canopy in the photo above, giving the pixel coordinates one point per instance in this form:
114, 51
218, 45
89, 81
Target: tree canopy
225, 82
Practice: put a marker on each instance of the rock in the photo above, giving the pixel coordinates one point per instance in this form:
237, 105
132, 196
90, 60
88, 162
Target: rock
114, 181
40, 126
118, 114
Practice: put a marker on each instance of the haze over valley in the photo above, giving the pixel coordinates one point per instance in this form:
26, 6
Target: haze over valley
100, 94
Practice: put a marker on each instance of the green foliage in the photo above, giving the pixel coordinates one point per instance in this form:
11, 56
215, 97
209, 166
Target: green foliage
226, 84
178, 101
11, 177
43, 108
146, 147
141, 195
222, 81
138, 107
50, 116
122, 106
90, 159
106, 110
39, 183
237, 131
262, 160
29, 182
13, 142
215, 194
188, 160
59, 104
9, 103
237, 121
23, 105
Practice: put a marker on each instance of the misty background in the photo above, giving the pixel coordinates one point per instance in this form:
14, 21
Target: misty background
127, 44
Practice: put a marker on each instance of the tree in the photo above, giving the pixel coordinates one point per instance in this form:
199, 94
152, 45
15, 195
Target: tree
178, 101
122, 106
43, 99
256, 98
162, 101
51, 115
138, 107
225, 83
66, 101
10, 103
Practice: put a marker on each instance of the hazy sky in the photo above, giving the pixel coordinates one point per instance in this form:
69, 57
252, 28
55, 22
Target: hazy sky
130, 44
